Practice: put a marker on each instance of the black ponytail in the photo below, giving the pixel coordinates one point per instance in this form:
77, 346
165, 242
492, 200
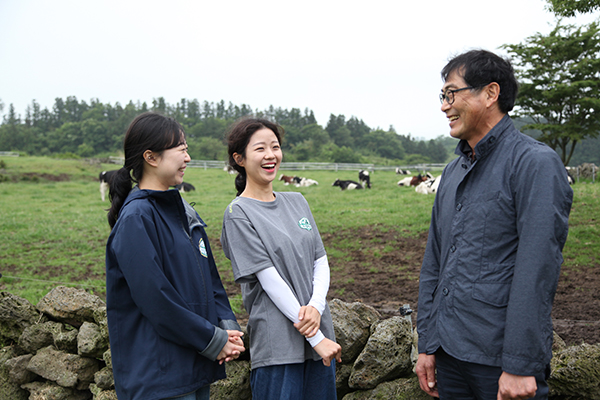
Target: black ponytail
240, 181
119, 187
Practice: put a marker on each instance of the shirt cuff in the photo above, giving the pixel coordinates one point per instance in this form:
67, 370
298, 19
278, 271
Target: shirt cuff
315, 340
229, 325
218, 341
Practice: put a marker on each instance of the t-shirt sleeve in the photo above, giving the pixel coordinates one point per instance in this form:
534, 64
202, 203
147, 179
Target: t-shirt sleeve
319, 247
243, 247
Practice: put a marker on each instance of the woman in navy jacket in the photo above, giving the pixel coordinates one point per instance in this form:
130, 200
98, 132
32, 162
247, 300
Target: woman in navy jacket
170, 323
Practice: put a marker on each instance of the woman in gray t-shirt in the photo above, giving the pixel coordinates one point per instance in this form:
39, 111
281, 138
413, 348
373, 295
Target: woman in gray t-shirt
279, 259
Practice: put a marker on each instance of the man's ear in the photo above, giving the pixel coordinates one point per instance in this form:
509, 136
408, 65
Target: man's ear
492, 92
239, 159
150, 158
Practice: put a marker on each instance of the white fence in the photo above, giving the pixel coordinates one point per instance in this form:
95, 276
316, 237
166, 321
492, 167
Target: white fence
307, 166
8, 154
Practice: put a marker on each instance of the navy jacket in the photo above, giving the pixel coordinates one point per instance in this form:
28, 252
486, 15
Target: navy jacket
494, 252
165, 299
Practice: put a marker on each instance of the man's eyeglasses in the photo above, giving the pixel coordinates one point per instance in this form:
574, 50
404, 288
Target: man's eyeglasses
448, 95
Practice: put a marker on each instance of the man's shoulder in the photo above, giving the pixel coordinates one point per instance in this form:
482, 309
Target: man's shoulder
526, 146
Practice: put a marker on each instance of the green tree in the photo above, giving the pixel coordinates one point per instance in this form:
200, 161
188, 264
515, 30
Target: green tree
358, 130
316, 133
159, 105
74, 109
335, 122
193, 113
436, 151
94, 136
65, 139
559, 78
292, 136
588, 152
384, 144
207, 148
10, 134
209, 127
345, 155
568, 8
304, 151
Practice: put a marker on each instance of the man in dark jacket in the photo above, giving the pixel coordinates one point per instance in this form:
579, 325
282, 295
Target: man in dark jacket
493, 257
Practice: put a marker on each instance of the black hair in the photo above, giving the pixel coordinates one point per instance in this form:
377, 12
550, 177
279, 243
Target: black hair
148, 131
238, 138
481, 67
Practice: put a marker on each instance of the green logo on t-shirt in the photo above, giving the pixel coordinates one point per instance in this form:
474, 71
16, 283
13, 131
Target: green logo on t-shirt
304, 223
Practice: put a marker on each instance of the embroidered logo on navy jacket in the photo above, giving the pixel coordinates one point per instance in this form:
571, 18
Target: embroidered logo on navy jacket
202, 248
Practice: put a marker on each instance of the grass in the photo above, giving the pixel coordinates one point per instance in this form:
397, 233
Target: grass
54, 232
583, 245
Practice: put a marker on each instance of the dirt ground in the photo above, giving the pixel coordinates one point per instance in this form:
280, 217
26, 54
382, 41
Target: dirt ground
383, 271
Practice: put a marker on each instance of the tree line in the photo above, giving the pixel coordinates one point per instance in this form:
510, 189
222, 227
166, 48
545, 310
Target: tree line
77, 128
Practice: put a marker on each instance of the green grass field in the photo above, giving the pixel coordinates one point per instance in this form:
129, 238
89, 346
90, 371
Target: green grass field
54, 232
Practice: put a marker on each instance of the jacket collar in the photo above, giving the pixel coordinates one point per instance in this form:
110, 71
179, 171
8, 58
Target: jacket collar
488, 143
170, 196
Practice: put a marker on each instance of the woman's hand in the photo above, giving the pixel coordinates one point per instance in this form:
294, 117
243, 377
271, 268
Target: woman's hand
328, 350
233, 348
310, 321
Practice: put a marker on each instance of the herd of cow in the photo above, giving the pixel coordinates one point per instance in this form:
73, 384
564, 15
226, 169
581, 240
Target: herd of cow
423, 183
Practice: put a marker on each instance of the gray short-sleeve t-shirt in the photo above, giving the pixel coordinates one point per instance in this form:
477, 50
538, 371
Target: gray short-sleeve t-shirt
282, 233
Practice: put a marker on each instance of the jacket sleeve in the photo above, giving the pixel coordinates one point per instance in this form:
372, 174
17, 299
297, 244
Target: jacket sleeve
429, 277
156, 298
543, 200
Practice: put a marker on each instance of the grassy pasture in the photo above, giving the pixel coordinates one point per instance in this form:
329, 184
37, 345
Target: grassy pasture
53, 226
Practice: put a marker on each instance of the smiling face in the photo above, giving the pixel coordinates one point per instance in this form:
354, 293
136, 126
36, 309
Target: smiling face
467, 114
261, 159
169, 166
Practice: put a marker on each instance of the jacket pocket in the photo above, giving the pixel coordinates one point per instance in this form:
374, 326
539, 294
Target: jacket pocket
493, 284
492, 293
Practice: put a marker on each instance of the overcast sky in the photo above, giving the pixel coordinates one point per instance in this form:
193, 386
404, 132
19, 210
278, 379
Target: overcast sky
377, 60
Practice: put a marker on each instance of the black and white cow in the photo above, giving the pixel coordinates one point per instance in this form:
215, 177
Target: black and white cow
287, 179
428, 186
104, 178
364, 178
344, 185
400, 171
185, 187
305, 182
570, 178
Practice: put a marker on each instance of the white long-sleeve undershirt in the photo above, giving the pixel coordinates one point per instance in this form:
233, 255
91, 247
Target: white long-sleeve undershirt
282, 296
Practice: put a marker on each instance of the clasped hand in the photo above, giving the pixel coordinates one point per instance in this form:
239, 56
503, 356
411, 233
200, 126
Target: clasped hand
233, 348
310, 321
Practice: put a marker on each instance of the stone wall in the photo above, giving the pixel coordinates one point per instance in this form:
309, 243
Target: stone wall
59, 349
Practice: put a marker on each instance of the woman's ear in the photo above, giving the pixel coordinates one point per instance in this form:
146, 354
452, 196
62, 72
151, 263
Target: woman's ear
150, 158
239, 159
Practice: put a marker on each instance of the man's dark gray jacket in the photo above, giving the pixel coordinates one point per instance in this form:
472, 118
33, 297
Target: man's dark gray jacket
491, 268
